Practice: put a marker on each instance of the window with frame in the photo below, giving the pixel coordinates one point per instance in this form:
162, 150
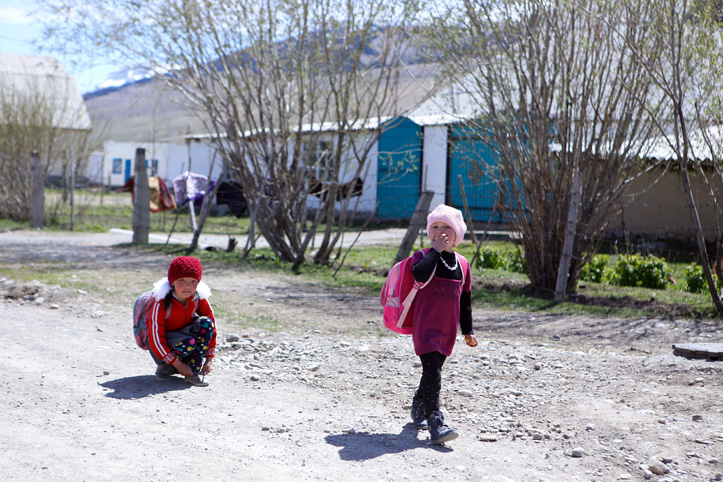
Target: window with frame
317, 156
117, 166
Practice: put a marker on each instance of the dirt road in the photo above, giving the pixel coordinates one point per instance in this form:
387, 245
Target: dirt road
310, 387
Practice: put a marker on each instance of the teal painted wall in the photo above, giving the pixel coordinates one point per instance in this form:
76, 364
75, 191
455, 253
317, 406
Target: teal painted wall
472, 156
399, 169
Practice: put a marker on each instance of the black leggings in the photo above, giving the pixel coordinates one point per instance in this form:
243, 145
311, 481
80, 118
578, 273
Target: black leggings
431, 383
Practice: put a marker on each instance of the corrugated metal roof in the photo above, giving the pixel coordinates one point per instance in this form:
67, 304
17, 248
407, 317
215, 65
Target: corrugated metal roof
360, 124
27, 77
451, 104
661, 149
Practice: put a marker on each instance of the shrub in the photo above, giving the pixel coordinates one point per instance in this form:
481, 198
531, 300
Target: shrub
636, 270
491, 258
595, 270
695, 279
516, 262
504, 259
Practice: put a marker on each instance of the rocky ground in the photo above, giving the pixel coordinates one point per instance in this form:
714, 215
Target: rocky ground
308, 386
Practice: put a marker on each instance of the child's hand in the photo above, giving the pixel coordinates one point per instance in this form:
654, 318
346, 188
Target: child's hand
182, 368
471, 340
206, 367
440, 242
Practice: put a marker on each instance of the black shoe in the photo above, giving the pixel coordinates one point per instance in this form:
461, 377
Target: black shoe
439, 433
420, 421
164, 372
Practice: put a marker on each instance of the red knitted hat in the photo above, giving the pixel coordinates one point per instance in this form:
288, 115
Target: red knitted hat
184, 267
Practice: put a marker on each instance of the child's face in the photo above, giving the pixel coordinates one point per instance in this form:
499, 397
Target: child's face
185, 288
439, 229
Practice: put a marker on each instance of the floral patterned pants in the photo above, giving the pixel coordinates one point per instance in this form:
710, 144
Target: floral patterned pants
190, 343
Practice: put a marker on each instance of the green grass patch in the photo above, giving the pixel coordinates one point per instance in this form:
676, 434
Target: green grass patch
499, 281
365, 266
96, 212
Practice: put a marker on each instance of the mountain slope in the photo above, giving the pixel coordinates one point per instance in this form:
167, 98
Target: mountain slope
149, 110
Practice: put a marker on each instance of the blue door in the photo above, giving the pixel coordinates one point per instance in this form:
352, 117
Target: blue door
399, 169
128, 170
472, 155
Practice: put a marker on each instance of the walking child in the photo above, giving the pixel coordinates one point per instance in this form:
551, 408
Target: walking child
439, 308
181, 325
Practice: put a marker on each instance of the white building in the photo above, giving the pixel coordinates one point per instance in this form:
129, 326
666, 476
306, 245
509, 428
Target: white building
30, 85
116, 163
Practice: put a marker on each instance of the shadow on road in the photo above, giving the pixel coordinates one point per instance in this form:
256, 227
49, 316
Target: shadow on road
133, 388
365, 446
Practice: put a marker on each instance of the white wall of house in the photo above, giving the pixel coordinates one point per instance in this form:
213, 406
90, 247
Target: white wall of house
434, 168
95, 168
367, 200
166, 160
119, 160
198, 155
434, 163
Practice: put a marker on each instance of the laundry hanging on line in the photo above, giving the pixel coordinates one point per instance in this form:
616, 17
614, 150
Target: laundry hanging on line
190, 186
161, 197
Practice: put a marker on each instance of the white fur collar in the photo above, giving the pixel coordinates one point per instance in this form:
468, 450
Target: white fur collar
162, 287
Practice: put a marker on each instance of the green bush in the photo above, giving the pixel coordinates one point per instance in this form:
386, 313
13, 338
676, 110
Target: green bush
636, 270
504, 259
491, 258
596, 269
516, 262
695, 279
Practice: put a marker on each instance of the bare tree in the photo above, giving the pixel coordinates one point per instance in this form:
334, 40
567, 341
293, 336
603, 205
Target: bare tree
29, 121
559, 97
292, 91
687, 76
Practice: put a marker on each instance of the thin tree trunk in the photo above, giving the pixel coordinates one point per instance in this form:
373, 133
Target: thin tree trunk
466, 210
702, 250
418, 219
205, 210
563, 272
72, 190
37, 196
141, 200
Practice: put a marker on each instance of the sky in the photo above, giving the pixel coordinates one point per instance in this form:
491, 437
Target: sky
18, 30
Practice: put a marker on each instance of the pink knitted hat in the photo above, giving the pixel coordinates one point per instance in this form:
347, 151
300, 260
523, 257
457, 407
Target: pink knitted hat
184, 267
451, 216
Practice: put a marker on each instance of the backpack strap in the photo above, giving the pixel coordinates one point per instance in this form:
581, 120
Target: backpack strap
422, 285
196, 302
463, 264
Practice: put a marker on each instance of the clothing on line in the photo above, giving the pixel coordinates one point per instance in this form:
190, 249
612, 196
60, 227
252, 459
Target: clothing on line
161, 197
190, 186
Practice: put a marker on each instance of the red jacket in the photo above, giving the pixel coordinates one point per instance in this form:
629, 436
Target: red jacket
179, 317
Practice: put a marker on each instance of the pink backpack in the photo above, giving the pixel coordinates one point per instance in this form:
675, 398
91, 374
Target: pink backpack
398, 293
141, 312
